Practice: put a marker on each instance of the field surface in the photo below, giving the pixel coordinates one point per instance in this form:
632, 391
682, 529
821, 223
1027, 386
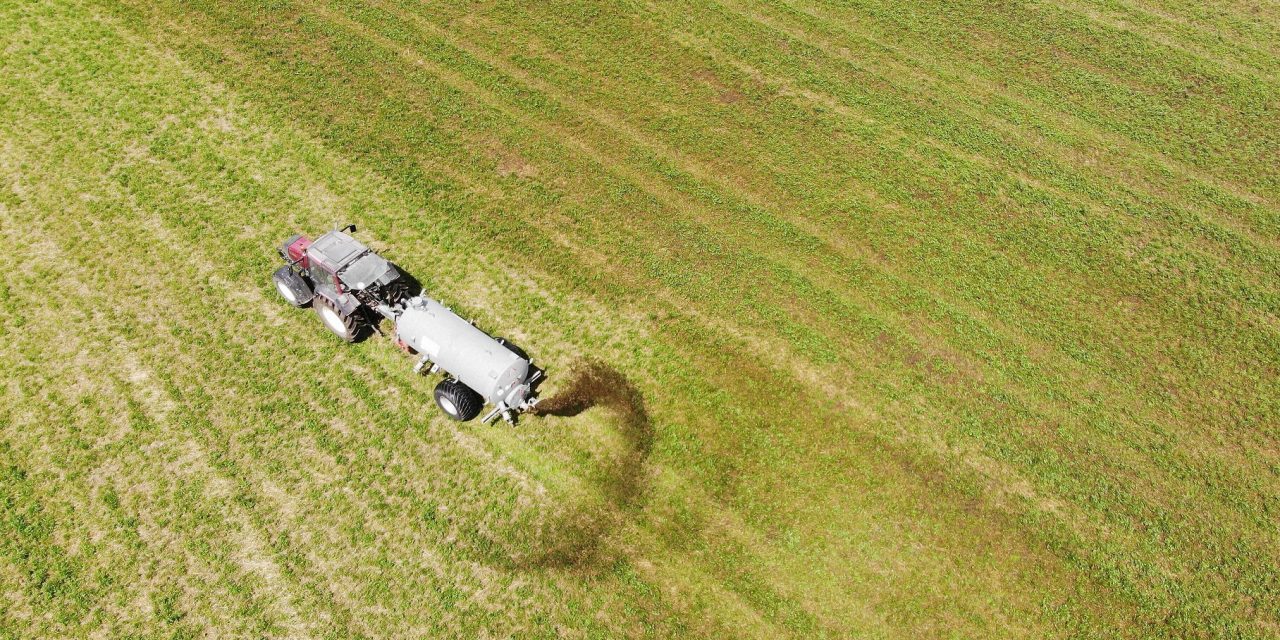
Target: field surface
948, 318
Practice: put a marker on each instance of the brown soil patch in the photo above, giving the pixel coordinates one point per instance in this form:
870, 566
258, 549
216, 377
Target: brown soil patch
730, 96
513, 165
724, 93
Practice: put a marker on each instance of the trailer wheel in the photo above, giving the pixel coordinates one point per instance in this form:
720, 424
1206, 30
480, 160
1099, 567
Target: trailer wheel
457, 400
343, 326
292, 287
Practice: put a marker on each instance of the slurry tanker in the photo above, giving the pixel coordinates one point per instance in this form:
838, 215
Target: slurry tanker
350, 288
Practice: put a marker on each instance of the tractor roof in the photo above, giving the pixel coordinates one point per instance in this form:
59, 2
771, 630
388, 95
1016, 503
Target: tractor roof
367, 270
335, 249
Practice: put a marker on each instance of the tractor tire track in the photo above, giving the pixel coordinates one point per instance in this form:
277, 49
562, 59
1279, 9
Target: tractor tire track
146, 230
862, 254
207, 272
1247, 232
786, 353
967, 310
1077, 126
131, 380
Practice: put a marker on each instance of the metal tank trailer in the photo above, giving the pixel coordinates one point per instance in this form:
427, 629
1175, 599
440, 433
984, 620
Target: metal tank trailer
350, 287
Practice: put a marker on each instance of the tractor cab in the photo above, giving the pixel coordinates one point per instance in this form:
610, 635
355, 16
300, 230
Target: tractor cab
348, 263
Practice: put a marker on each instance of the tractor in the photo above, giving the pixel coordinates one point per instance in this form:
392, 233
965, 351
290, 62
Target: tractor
352, 288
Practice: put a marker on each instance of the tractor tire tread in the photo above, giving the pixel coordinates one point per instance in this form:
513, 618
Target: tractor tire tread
348, 321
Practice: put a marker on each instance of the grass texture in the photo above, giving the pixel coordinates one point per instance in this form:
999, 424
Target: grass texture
946, 319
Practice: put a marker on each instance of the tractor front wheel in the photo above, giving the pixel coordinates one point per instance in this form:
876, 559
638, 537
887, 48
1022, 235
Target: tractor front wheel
457, 400
292, 287
342, 325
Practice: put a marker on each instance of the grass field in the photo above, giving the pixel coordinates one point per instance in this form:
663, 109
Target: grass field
952, 319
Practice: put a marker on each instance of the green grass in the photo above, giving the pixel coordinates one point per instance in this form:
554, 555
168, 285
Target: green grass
953, 319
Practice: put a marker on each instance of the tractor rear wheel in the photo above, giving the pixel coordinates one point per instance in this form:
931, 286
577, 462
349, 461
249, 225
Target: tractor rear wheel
342, 325
457, 400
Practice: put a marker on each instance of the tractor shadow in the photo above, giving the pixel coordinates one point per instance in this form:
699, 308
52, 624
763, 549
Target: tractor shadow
413, 284
595, 384
373, 323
